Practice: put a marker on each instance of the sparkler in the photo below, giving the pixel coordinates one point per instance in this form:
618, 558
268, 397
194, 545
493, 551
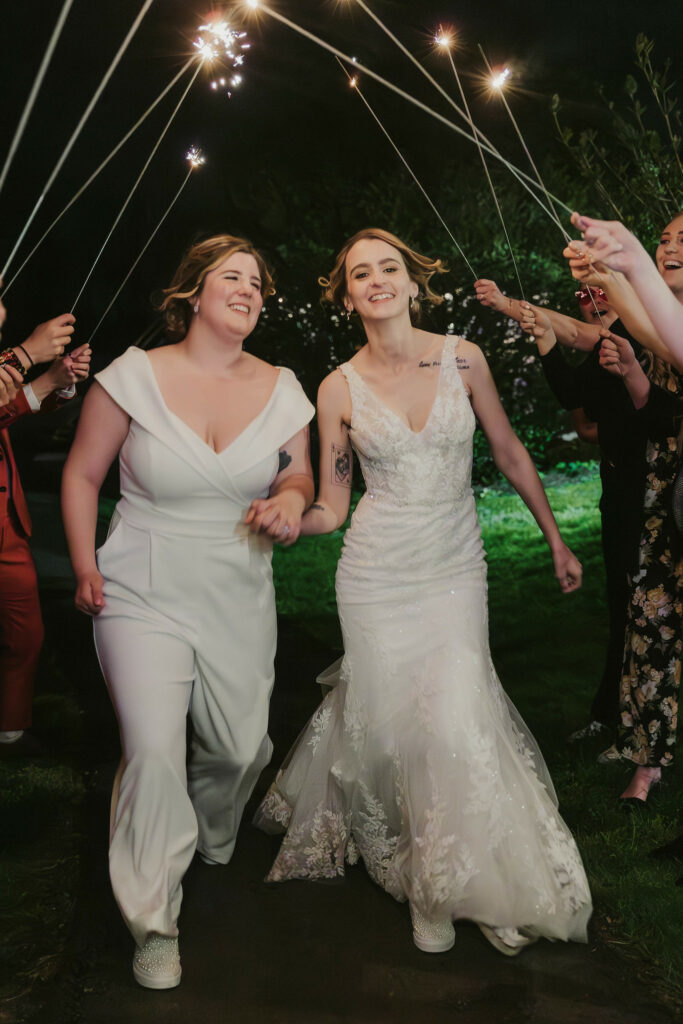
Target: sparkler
35, 89
99, 169
86, 114
485, 165
195, 159
137, 182
498, 83
477, 134
353, 82
217, 40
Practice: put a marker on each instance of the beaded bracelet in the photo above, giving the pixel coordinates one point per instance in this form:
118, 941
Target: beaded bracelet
10, 358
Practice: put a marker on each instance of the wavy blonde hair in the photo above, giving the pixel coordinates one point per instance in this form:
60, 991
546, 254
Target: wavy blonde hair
188, 280
420, 269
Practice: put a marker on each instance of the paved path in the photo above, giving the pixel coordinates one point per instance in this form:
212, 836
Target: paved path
296, 953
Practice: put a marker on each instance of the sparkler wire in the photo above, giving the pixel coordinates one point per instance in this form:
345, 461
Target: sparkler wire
47, 57
488, 175
477, 132
137, 182
99, 169
142, 252
86, 114
410, 99
411, 172
536, 171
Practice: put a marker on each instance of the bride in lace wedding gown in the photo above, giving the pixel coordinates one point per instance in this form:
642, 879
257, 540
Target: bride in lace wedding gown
416, 760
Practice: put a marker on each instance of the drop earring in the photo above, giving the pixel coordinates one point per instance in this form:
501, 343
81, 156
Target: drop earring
196, 307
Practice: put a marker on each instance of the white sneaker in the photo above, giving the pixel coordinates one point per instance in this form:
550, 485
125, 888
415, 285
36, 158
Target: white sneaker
157, 963
432, 936
11, 735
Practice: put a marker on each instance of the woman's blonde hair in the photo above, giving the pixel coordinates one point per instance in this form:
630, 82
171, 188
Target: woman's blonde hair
420, 270
188, 280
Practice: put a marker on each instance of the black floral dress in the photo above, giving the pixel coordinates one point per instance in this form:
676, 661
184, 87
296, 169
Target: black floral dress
652, 654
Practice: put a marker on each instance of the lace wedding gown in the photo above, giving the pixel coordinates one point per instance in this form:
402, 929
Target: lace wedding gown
416, 760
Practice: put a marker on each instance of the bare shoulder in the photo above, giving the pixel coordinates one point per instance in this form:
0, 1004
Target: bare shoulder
333, 388
469, 356
163, 355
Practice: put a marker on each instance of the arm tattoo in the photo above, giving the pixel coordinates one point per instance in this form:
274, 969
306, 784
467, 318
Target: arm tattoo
318, 506
285, 459
341, 465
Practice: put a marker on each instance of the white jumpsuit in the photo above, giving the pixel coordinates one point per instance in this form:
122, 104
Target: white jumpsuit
189, 625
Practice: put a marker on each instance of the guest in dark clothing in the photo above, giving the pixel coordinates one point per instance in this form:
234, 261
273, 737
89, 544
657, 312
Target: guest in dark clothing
621, 439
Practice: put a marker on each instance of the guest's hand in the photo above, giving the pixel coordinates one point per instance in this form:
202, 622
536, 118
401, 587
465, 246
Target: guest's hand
71, 369
89, 597
278, 517
49, 340
534, 321
10, 383
616, 355
584, 267
610, 242
567, 569
489, 294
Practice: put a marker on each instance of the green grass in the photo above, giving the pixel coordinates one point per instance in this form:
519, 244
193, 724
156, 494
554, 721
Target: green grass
548, 649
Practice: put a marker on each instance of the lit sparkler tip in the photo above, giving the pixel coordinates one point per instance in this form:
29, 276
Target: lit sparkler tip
353, 82
443, 40
195, 157
253, 4
499, 79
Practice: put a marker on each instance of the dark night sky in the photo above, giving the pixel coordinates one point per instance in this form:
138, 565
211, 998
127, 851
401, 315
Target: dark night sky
293, 116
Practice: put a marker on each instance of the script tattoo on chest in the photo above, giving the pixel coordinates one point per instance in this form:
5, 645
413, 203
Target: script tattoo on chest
285, 459
341, 465
462, 363
434, 362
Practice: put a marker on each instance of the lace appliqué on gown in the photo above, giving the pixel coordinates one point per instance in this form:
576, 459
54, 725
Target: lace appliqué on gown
416, 760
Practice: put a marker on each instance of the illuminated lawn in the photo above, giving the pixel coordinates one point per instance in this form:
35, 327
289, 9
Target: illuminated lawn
548, 650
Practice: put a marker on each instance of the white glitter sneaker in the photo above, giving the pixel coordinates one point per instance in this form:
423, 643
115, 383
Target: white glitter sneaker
432, 936
157, 963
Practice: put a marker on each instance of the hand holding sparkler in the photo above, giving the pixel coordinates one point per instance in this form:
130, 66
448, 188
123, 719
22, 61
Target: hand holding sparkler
584, 267
611, 243
49, 340
489, 294
10, 383
616, 355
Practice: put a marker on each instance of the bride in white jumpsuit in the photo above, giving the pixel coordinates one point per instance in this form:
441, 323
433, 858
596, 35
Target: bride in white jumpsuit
209, 439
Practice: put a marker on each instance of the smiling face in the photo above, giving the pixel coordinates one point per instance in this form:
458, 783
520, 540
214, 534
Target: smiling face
231, 295
378, 285
669, 255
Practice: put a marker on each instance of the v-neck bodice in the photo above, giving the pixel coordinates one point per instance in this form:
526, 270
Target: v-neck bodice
239, 437
405, 466
171, 479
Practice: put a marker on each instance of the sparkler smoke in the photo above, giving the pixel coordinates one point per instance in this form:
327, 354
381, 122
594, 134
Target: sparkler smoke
409, 99
498, 83
195, 159
99, 169
444, 39
35, 89
86, 114
488, 175
137, 182
353, 82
